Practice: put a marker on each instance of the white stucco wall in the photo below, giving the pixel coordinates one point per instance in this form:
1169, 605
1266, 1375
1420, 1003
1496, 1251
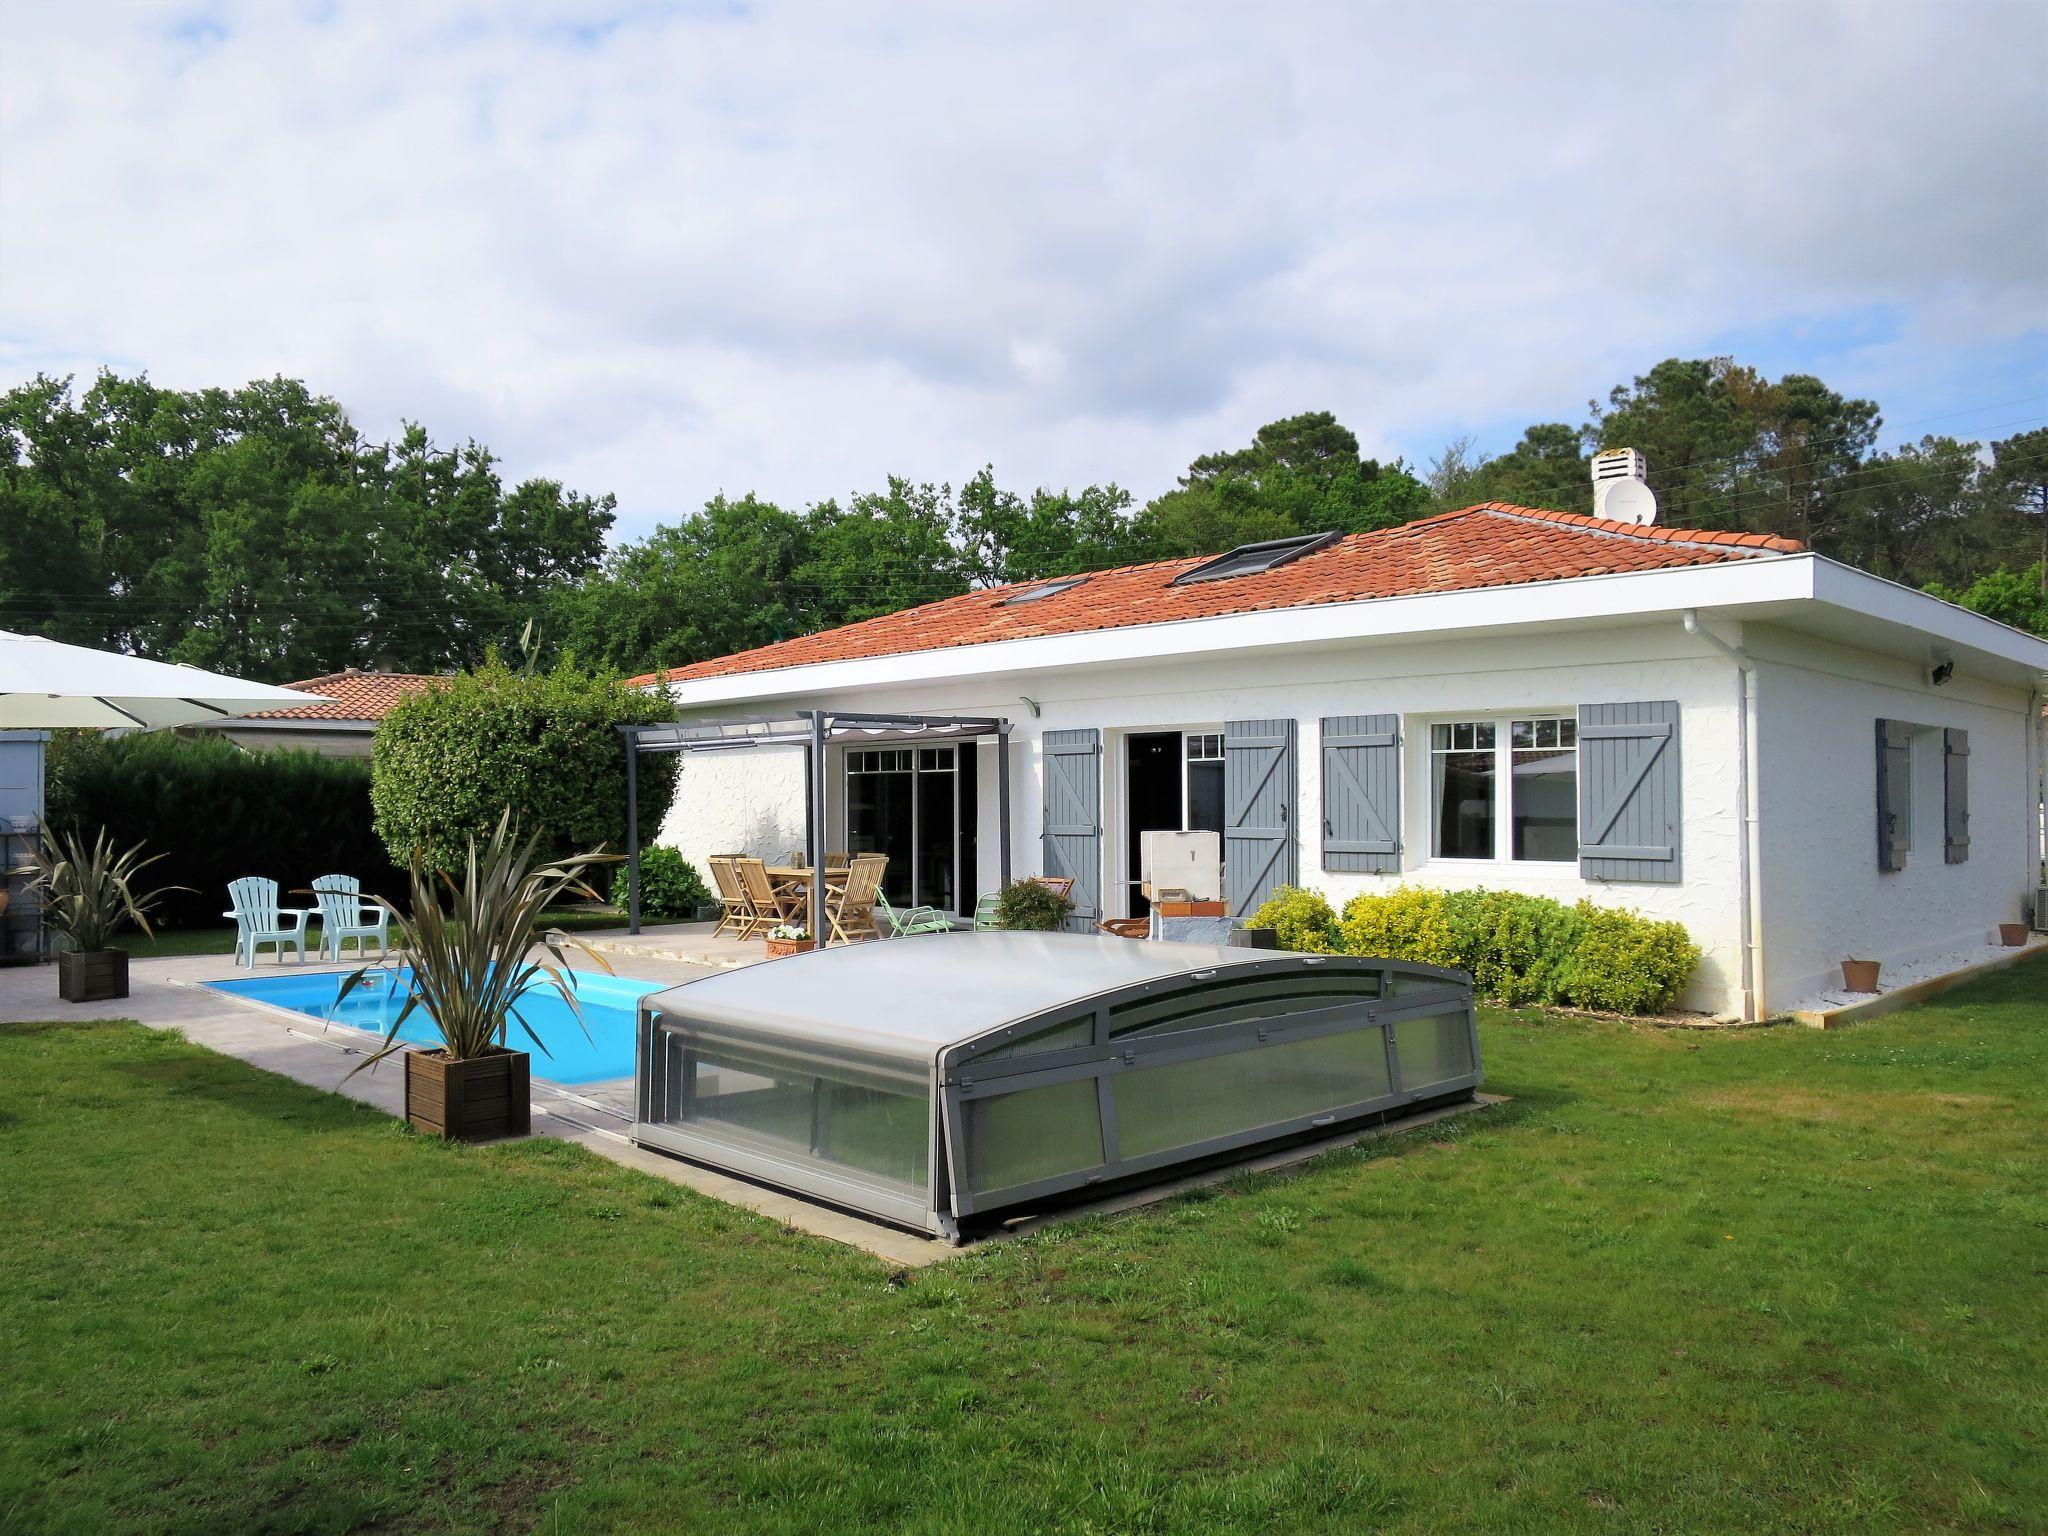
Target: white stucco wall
1825, 899
737, 802
1444, 679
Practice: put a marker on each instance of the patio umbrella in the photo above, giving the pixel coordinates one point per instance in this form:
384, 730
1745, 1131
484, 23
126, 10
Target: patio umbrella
45, 684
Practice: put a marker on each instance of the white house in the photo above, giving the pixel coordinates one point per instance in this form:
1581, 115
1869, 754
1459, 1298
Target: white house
1799, 761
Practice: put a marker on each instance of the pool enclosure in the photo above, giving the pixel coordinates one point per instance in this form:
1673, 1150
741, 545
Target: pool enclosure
953, 1079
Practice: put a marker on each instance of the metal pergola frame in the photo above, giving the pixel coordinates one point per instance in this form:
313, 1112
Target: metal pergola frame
814, 730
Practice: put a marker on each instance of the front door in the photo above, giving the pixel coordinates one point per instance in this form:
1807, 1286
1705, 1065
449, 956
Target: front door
1173, 783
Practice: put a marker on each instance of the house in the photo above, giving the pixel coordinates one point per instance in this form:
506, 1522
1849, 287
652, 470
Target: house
1799, 761
341, 727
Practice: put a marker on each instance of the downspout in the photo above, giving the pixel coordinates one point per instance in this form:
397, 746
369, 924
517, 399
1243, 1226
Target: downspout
1749, 851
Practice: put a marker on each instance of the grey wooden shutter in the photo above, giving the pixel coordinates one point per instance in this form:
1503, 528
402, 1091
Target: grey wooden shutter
1955, 779
1362, 794
1629, 812
1073, 819
1258, 812
1894, 765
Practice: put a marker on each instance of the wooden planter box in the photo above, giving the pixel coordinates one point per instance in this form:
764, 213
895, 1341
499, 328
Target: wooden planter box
1193, 909
476, 1100
92, 976
781, 948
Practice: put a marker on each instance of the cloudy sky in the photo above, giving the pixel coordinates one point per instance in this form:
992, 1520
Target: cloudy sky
664, 249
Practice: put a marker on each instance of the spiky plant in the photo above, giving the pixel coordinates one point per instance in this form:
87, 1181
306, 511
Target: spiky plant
471, 960
89, 890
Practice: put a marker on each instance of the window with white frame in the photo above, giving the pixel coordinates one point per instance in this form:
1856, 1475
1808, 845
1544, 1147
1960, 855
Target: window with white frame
1505, 789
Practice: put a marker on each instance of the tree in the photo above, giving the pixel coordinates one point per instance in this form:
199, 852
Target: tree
1300, 475
2018, 598
449, 760
2018, 481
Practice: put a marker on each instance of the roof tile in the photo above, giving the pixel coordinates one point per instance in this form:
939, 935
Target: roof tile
355, 695
1494, 544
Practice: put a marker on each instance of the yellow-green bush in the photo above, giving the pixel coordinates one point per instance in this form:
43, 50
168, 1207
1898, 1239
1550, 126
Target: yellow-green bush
1519, 949
1300, 920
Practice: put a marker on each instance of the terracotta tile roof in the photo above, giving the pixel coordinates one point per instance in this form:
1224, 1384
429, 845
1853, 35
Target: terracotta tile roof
1490, 545
356, 695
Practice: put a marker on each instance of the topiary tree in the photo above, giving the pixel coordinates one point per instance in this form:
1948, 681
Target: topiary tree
451, 759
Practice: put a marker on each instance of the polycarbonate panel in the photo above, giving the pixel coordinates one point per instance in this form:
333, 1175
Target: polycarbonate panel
1434, 1049
1232, 1001
1060, 1037
1038, 1133
863, 1124
1185, 1102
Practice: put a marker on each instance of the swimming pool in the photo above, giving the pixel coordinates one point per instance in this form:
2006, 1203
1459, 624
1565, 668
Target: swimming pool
609, 1005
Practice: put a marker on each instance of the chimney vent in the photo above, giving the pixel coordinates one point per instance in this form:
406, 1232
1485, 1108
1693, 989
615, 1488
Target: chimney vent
1621, 487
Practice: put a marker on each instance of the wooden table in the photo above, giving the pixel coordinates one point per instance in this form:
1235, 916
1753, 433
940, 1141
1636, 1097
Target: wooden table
793, 883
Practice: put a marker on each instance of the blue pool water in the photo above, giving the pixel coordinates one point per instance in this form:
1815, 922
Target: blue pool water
609, 1004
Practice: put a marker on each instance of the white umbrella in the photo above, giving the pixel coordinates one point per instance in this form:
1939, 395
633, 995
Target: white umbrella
45, 684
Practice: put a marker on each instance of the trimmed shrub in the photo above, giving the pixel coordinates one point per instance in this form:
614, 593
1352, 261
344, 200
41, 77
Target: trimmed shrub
218, 813
669, 884
1522, 949
1300, 919
450, 759
1627, 963
1027, 905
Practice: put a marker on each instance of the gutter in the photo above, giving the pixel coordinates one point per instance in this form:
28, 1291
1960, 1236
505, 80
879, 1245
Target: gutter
1749, 852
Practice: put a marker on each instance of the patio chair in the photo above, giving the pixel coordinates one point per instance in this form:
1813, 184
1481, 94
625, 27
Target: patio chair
344, 915
837, 860
985, 912
260, 920
1127, 927
764, 902
850, 909
737, 914
1059, 885
911, 919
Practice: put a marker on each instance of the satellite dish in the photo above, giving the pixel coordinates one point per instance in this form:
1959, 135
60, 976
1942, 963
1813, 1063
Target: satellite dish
1627, 501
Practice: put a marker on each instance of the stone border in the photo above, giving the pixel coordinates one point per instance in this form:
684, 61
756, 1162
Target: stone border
1913, 991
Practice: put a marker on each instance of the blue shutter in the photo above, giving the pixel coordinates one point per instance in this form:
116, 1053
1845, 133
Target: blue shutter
1258, 812
1894, 767
1955, 781
1073, 819
1629, 813
1362, 794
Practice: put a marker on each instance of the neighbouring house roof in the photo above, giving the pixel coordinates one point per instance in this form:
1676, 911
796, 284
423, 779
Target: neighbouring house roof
1490, 545
352, 695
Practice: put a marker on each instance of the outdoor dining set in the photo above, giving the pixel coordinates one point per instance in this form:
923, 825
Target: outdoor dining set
758, 897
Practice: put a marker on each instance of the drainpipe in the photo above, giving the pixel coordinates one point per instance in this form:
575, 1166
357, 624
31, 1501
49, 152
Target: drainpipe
1749, 851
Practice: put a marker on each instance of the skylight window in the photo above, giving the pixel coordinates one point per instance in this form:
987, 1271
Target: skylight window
1046, 589
1247, 559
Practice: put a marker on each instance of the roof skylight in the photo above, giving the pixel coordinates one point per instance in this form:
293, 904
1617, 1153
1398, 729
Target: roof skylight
1044, 589
1247, 559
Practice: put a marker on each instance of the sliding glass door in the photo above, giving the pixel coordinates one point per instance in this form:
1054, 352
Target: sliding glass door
916, 805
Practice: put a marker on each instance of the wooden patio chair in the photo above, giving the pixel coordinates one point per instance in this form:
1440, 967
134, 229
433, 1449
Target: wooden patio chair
763, 899
1059, 885
837, 860
850, 908
738, 912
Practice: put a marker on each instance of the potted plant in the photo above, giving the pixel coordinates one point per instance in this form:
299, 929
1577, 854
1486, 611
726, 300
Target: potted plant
2012, 935
1032, 906
789, 939
1860, 975
88, 893
469, 962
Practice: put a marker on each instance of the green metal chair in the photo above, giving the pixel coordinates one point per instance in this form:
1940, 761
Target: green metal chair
985, 912
344, 915
260, 920
911, 919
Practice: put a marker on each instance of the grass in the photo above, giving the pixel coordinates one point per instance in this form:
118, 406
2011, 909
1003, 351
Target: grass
167, 942
1768, 1280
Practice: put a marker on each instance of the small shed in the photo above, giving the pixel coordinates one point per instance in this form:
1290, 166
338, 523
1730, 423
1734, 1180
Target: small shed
952, 1079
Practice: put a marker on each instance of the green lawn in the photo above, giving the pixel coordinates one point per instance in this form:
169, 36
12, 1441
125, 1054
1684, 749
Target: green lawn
1769, 1280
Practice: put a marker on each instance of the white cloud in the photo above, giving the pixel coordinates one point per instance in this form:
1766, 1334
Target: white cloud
666, 249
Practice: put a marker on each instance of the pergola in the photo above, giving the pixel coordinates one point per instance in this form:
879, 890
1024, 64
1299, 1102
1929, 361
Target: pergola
813, 730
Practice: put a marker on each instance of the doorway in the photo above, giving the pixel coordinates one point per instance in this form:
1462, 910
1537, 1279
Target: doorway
916, 805
1173, 782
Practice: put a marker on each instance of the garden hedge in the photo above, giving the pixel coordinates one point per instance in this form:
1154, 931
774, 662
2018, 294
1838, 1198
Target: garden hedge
450, 758
1519, 949
218, 812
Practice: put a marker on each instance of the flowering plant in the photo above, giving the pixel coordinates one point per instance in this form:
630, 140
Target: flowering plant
789, 931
